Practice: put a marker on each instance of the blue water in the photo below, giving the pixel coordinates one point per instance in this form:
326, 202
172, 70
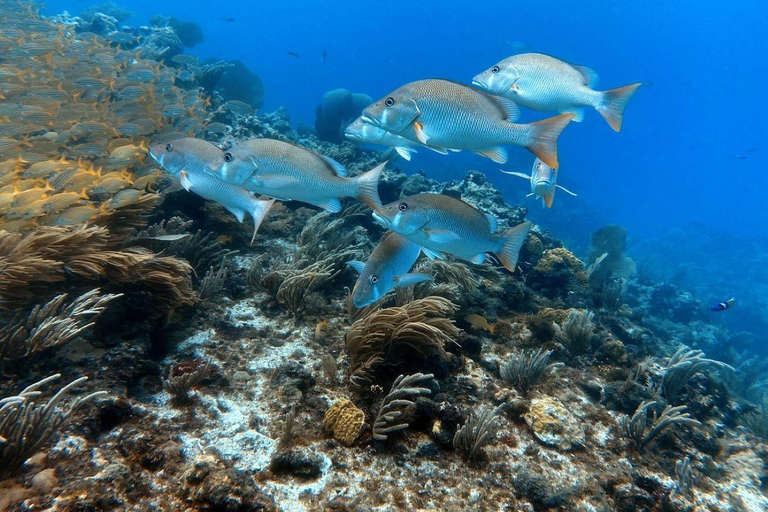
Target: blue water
693, 146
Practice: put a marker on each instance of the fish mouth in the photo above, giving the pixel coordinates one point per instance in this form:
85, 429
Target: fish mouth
371, 120
478, 83
381, 219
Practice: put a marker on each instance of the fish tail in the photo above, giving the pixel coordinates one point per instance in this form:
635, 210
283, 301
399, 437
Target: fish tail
543, 137
614, 102
367, 187
258, 212
511, 242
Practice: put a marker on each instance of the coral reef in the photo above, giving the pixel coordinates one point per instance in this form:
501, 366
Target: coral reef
338, 109
345, 421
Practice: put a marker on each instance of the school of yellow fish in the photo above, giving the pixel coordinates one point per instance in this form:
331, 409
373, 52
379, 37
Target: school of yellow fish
76, 117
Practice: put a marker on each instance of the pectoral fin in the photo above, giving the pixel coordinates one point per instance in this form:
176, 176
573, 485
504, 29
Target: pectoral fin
518, 174
566, 190
411, 279
419, 129
441, 236
185, 181
357, 265
433, 255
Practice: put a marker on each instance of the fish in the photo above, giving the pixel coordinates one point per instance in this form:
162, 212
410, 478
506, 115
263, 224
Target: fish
722, 306
228, 19
541, 82
294, 54
543, 180
479, 322
288, 172
442, 224
235, 199
187, 153
454, 116
366, 133
127, 154
74, 215
387, 267
324, 56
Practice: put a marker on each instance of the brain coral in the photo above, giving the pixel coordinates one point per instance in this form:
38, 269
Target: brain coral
345, 421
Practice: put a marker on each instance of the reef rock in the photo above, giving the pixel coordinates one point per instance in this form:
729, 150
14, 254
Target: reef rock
554, 425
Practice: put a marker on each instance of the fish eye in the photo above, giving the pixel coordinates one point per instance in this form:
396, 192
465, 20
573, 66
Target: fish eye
402, 207
389, 101
228, 157
168, 148
495, 69
373, 279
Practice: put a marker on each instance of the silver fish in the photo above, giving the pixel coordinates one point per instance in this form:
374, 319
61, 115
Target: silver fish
187, 153
441, 224
453, 116
541, 82
386, 268
367, 133
289, 172
543, 180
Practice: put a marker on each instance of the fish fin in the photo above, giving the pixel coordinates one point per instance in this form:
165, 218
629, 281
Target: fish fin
497, 154
442, 151
454, 150
411, 279
549, 197
518, 174
339, 169
332, 205
441, 236
543, 138
357, 265
578, 114
493, 224
512, 242
419, 129
237, 212
272, 181
258, 212
405, 152
368, 187
433, 255
509, 109
529, 195
566, 190
613, 104
478, 259
590, 75
184, 180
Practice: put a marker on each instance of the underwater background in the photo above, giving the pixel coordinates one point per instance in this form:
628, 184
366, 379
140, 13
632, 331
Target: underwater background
602, 374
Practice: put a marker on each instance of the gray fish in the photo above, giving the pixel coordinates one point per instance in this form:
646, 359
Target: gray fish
367, 133
543, 180
289, 172
190, 161
441, 224
386, 268
453, 116
541, 82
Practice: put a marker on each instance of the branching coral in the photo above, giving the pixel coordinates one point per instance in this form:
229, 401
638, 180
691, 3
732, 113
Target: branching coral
683, 365
612, 296
81, 257
49, 325
179, 386
522, 370
576, 331
478, 431
27, 425
391, 415
642, 430
388, 337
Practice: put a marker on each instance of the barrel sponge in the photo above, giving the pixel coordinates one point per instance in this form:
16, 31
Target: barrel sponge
345, 420
339, 107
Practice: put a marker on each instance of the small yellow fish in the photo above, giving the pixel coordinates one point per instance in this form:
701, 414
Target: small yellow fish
479, 322
58, 202
30, 196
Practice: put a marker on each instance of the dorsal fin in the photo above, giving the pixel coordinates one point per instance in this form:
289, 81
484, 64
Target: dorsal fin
339, 169
590, 75
493, 224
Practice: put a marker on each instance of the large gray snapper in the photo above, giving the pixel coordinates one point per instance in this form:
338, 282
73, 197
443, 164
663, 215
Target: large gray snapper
289, 172
453, 116
367, 133
386, 268
190, 161
441, 224
541, 82
543, 180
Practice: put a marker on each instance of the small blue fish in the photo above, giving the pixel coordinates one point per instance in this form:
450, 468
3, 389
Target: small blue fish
723, 305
